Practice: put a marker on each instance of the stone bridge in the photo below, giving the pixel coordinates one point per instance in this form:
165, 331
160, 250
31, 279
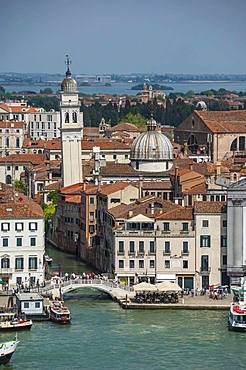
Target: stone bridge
105, 286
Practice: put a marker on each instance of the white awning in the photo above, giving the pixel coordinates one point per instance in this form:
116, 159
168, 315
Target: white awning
163, 277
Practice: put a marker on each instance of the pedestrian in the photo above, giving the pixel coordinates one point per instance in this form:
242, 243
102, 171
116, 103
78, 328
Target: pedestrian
192, 292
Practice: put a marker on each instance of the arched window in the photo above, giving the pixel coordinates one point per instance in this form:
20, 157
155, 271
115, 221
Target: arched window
234, 145
74, 117
8, 179
242, 143
192, 143
39, 151
66, 117
5, 263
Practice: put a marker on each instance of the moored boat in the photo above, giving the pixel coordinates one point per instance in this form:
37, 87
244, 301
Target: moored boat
6, 351
237, 313
59, 313
15, 324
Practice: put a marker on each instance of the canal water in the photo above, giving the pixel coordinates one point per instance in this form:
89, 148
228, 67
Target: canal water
103, 336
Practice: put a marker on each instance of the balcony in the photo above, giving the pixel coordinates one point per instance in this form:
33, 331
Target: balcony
184, 232
122, 232
6, 270
185, 253
120, 253
166, 232
131, 253
166, 253
152, 253
205, 272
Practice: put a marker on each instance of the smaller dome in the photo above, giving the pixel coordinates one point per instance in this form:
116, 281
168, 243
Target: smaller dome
69, 84
201, 105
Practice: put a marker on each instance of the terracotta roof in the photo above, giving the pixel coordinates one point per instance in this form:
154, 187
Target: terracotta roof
157, 185
18, 108
224, 121
104, 144
23, 158
210, 207
17, 205
42, 144
73, 198
143, 206
72, 188
112, 188
177, 214
12, 124
54, 186
91, 131
197, 189
124, 126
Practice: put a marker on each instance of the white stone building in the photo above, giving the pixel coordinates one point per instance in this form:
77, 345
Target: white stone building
21, 240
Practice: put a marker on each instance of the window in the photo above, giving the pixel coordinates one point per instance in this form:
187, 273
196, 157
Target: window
5, 242
185, 247
204, 223
121, 246
26, 304
18, 242
205, 241
115, 156
152, 247
166, 226
234, 145
33, 263
167, 248
167, 264
141, 246
223, 241
17, 142
224, 223
152, 264
185, 264
5, 226
19, 226
126, 156
19, 263
5, 263
8, 168
132, 247
33, 242
121, 264
91, 200
91, 229
185, 226
132, 264
92, 217
241, 143
33, 226
141, 264
204, 263
224, 260
37, 304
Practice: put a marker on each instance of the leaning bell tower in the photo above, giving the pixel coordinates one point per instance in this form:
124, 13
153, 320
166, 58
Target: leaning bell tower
71, 129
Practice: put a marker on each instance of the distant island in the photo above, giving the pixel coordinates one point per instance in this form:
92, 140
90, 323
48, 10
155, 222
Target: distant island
154, 86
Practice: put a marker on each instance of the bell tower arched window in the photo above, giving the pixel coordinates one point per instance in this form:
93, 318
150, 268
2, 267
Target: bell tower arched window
66, 117
74, 117
234, 145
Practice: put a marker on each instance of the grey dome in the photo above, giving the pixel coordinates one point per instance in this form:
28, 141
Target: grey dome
201, 105
151, 145
69, 84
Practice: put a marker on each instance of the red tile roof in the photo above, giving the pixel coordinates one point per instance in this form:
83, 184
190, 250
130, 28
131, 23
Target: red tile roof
209, 207
124, 126
233, 121
23, 158
177, 214
12, 124
108, 189
17, 205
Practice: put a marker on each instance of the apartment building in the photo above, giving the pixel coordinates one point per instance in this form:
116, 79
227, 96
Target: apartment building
21, 240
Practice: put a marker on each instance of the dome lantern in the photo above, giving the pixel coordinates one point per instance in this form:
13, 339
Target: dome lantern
68, 85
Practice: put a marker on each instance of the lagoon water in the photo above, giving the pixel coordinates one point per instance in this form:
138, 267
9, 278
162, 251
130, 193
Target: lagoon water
125, 88
103, 336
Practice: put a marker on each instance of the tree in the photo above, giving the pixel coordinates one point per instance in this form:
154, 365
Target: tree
136, 119
50, 209
46, 90
18, 184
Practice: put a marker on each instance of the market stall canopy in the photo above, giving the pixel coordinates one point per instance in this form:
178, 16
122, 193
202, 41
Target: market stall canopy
144, 287
168, 286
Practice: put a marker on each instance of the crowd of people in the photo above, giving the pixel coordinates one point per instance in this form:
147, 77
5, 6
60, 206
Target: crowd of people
156, 297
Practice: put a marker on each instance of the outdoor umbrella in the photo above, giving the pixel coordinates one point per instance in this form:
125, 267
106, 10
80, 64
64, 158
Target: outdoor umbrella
168, 286
144, 287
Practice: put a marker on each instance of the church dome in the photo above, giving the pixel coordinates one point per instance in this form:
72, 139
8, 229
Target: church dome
201, 105
68, 84
152, 151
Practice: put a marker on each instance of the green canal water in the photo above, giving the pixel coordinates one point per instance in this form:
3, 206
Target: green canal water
103, 336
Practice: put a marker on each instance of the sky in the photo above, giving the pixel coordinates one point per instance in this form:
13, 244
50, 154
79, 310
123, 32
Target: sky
127, 36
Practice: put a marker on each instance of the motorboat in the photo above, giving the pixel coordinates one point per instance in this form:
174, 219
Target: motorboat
15, 324
237, 313
59, 313
7, 349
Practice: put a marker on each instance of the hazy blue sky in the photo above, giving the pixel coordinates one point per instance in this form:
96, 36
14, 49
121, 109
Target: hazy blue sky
105, 36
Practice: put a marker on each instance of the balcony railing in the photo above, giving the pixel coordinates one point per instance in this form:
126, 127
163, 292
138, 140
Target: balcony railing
185, 253
120, 253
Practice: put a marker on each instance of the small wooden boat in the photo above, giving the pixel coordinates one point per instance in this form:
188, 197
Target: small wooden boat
6, 351
15, 324
59, 313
